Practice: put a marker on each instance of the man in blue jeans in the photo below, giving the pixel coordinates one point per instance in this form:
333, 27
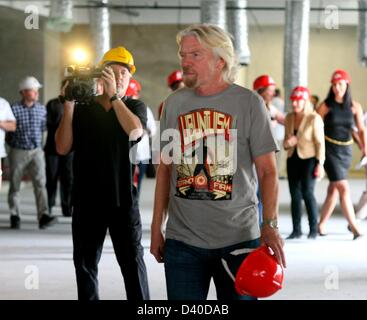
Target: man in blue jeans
212, 222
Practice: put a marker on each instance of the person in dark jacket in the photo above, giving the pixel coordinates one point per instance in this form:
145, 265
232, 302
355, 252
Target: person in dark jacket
58, 167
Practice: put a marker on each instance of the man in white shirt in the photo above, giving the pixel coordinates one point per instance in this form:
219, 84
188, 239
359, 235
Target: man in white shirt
143, 153
7, 123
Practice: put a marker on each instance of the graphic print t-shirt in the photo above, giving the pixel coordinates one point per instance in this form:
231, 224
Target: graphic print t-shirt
206, 168
213, 142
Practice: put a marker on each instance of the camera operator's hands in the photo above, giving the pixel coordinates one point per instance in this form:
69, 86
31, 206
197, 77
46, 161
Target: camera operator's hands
109, 82
63, 89
65, 102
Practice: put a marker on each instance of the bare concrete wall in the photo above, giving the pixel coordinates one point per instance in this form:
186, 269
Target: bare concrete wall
21, 52
154, 50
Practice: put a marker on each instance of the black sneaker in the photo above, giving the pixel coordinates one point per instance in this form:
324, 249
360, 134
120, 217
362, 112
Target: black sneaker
46, 221
66, 212
294, 235
312, 235
14, 222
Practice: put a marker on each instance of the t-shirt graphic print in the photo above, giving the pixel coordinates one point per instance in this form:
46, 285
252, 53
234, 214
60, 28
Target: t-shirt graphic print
208, 151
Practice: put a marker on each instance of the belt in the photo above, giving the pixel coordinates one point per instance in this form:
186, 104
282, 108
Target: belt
339, 143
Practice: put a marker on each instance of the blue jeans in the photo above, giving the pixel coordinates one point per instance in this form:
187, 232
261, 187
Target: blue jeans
142, 169
260, 205
189, 270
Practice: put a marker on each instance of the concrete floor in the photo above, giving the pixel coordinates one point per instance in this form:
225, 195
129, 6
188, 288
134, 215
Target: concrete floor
332, 267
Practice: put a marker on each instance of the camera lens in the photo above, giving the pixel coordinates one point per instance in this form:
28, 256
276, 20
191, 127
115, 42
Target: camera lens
80, 91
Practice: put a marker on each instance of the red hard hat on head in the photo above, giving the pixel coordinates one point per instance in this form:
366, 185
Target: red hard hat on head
259, 275
174, 77
300, 93
340, 75
133, 89
263, 82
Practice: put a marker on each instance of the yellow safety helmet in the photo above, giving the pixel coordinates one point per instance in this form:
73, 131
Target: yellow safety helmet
119, 55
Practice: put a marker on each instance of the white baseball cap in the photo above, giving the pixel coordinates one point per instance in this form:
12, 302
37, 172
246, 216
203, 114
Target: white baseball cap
29, 83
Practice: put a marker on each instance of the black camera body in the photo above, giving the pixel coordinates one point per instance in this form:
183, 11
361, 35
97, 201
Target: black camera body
82, 85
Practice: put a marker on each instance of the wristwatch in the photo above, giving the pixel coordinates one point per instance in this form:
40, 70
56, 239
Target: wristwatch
114, 97
272, 223
62, 99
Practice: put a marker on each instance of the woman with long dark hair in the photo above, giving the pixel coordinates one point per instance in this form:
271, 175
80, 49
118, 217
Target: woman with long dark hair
305, 143
339, 113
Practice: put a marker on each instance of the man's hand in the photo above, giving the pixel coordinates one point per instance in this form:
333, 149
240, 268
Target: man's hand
271, 238
67, 103
157, 244
63, 89
109, 82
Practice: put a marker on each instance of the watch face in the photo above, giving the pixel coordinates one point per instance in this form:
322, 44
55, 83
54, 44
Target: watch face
274, 224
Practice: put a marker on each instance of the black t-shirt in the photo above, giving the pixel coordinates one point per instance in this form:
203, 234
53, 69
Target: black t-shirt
55, 110
103, 173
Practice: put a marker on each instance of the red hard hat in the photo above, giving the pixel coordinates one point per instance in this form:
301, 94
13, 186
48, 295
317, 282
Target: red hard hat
263, 82
259, 275
340, 75
300, 93
174, 77
133, 89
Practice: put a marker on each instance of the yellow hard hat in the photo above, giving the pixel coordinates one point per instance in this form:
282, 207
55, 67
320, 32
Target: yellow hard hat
120, 55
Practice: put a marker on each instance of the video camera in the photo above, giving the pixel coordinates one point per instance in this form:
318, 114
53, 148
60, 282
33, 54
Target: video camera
82, 85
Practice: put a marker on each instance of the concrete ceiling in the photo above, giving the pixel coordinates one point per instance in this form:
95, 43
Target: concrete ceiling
187, 16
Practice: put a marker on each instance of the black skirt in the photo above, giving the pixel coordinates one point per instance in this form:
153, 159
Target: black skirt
338, 161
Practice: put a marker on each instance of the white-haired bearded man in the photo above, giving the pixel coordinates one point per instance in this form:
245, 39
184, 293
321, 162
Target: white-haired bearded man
212, 222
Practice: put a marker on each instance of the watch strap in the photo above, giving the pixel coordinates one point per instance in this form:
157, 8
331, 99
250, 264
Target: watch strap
114, 97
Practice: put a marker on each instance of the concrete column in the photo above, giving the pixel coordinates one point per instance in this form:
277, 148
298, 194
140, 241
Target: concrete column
362, 33
237, 26
213, 12
296, 45
100, 29
52, 73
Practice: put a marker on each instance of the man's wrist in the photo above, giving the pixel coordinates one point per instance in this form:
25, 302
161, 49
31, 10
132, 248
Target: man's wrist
114, 98
63, 99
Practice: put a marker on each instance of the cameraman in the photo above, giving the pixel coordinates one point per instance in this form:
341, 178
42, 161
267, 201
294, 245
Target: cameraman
101, 134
